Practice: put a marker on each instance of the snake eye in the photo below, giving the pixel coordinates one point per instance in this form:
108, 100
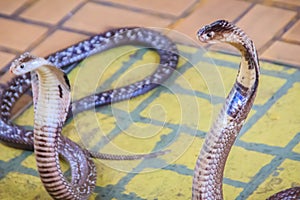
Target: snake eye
22, 66
210, 34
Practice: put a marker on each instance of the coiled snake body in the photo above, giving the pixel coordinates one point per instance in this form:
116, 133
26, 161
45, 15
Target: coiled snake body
208, 173
82, 167
51, 104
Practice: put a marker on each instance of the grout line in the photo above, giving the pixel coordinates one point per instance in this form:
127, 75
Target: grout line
246, 11
134, 9
38, 41
105, 139
280, 5
266, 171
279, 34
271, 102
15, 165
22, 8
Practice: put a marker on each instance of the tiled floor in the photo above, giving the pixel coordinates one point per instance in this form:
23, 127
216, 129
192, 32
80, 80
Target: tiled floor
265, 158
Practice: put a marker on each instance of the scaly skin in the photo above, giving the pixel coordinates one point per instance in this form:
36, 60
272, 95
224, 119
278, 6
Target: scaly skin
79, 159
18, 137
52, 99
208, 173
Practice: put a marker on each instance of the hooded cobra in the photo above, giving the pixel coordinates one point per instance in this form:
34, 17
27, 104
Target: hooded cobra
208, 173
82, 168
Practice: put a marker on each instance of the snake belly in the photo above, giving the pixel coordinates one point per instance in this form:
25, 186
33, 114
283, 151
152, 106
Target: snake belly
208, 172
51, 105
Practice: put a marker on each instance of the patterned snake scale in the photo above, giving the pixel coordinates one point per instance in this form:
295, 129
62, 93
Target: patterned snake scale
208, 173
82, 168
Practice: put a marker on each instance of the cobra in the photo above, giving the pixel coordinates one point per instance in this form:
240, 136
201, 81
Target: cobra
82, 167
208, 172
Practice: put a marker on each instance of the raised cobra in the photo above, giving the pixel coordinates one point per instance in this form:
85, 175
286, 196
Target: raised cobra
208, 173
51, 101
81, 167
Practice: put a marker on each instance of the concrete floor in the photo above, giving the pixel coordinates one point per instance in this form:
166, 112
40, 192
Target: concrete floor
264, 160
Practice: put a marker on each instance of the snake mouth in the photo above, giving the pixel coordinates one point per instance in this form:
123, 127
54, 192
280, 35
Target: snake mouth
201, 38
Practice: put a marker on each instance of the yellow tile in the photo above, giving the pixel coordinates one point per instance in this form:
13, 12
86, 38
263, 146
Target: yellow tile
106, 175
279, 68
136, 72
220, 56
243, 171
30, 162
285, 176
199, 78
16, 186
164, 185
133, 141
268, 86
131, 104
20, 40
138, 138
89, 15
211, 79
237, 59
8, 153
184, 150
26, 118
92, 72
219, 81
8, 7
88, 128
139, 70
187, 49
230, 192
297, 148
180, 109
50, 11
280, 123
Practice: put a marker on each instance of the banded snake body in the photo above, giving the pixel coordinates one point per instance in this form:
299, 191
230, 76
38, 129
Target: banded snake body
208, 172
82, 168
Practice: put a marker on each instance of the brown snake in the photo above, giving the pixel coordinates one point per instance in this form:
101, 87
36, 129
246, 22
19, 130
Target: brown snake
208, 173
82, 168
51, 99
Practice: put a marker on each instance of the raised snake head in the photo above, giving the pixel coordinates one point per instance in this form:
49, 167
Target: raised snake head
218, 31
26, 63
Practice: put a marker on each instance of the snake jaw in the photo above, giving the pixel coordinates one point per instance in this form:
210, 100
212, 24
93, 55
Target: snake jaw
26, 63
216, 32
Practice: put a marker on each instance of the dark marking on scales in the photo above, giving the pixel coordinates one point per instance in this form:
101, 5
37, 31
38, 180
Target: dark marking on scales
60, 91
236, 103
67, 81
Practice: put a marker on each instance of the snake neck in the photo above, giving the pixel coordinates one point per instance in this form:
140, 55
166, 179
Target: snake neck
248, 74
208, 173
51, 103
